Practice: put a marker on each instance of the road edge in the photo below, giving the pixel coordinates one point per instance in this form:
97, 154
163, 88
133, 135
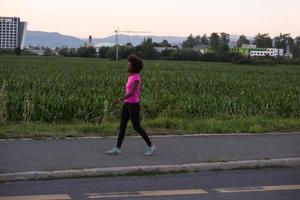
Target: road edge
154, 169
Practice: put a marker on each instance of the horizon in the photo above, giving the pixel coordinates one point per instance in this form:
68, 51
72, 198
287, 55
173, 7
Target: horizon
128, 34
159, 18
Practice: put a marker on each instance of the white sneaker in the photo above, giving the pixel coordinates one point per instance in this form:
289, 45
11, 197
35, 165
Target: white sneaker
113, 151
149, 151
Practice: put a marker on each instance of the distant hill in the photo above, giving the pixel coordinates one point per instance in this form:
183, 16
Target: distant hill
51, 39
54, 39
137, 39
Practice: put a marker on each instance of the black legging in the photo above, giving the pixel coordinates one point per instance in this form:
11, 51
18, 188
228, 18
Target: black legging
132, 111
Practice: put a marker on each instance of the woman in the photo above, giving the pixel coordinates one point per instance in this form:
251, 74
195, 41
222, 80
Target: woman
131, 107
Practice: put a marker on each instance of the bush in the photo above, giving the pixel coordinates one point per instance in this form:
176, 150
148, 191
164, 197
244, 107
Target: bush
255, 61
103, 52
87, 52
26, 52
18, 51
68, 52
6, 51
190, 55
235, 56
210, 56
183, 54
296, 61
263, 61
166, 54
49, 52
288, 61
242, 60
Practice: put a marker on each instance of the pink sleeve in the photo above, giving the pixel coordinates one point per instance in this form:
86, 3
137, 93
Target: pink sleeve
136, 77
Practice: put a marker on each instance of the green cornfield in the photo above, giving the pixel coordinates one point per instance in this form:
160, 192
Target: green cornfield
57, 89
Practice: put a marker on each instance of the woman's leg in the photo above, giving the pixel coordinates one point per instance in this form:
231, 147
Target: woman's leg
134, 112
123, 125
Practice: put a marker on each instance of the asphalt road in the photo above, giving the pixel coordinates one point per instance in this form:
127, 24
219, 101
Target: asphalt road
262, 184
47, 155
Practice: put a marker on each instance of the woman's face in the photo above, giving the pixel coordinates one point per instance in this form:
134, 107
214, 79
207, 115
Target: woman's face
129, 67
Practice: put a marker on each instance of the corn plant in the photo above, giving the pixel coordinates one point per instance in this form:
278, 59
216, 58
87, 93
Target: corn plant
81, 89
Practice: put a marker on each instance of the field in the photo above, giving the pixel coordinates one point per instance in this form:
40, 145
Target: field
60, 90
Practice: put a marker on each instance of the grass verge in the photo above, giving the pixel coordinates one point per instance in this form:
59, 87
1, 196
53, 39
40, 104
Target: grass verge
158, 126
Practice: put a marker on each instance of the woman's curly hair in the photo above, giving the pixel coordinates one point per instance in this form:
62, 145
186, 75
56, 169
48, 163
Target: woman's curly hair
136, 63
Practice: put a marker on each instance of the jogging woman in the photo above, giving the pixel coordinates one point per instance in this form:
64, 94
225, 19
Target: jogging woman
131, 106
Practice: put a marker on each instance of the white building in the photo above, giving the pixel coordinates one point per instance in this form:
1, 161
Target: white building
272, 52
249, 46
161, 49
12, 32
104, 44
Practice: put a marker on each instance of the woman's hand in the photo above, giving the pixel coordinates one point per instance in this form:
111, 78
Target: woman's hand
117, 101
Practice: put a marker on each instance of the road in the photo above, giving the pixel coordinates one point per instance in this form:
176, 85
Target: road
48, 155
258, 184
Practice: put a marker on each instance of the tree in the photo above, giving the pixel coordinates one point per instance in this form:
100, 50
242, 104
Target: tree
166, 54
224, 39
129, 44
146, 49
215, 43
204, 40
110, 53
284, 41
65, 51
296, 47
87, 52
73, 52
191, 42
197, 41
48, 52
103, 52
165, 43
263, 40
188, 43
242, 40
125, 51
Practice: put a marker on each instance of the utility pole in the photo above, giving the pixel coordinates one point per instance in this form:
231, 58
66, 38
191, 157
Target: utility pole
117, 31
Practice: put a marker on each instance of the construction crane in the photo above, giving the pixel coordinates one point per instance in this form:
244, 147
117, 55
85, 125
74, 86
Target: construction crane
117, 32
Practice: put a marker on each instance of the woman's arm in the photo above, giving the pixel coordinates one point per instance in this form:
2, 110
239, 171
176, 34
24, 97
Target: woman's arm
130, 94
132, 91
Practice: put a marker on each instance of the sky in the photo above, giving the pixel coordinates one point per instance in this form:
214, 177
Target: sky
100, 18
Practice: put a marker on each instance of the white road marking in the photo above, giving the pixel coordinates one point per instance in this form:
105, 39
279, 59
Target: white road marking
155, 193
146, 193
259, 189
191, 191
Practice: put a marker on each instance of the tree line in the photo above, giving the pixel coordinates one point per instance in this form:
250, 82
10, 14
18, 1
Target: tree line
217, 43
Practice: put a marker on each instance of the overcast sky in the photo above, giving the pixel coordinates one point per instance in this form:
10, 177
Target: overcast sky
100, 18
